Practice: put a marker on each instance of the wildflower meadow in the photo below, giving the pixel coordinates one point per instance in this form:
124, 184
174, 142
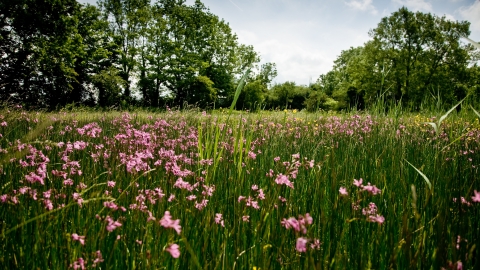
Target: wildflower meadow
218, 190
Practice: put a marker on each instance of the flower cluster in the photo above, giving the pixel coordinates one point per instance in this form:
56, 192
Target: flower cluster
299, 225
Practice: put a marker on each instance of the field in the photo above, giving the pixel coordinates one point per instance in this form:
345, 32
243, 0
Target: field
266, 190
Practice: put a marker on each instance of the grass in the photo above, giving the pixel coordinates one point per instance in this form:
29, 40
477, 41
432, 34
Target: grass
242, 187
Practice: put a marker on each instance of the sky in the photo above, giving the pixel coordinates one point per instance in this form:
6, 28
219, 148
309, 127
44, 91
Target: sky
304, 37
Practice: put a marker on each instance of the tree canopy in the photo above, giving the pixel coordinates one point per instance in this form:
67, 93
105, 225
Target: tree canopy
145, 53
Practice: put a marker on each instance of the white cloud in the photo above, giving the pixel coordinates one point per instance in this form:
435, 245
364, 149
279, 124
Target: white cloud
415, 5
363, 5
450, 17
295, 61
472, 14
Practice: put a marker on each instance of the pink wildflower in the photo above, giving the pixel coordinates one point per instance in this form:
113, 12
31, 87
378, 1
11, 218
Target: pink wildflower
301, 244
377, 218
283, 180
291, 223
191, 197
372, 189
201, 205
316, 244
173, 250
78, 264
358, 182
246, 218
219, 219
167, 222
343, 191
476, 198
261, 195
112, 225
99, 258
76, 237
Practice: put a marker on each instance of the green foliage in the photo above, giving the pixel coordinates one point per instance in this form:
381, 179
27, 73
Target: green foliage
108, 82
410, 54
39, 45
252, 96
204, 93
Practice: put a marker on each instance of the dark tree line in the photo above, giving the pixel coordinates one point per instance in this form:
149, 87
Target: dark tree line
413, 60
59, 52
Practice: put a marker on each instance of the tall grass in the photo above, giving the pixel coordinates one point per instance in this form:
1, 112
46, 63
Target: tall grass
92, 189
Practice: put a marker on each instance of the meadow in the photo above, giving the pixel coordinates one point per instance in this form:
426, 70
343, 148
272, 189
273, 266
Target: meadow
219, 190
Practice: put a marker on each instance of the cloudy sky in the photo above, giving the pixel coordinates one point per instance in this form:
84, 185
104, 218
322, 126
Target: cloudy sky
304, 37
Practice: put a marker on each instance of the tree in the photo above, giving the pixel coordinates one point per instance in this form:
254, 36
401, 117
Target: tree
252, 96
97, 61
424, 52
126, 18
39, 45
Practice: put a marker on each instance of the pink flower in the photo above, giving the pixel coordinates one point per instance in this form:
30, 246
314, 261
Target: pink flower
246, 218
307, 219
76, 237
112, 225
78, 264
283, 180
377, 218
316, 244
343, 191
476, 198
110, 205
174, 250
219, 219
201, 205
291, 223
261, 195
167, 222
301, 244
358, 182
99, 258
191, 197
372, 189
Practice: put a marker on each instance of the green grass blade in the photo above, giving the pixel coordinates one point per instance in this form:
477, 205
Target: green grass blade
445, 115
423, 175
240, 86
476, 44
477, 113
433, 125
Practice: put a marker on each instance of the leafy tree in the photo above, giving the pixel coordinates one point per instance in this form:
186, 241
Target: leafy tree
99, 56
281, 95
252, 96
39, 44
424, 52
126, 19
109, 85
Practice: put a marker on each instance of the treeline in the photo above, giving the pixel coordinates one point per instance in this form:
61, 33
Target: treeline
59, 52
413, 60
152, 54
